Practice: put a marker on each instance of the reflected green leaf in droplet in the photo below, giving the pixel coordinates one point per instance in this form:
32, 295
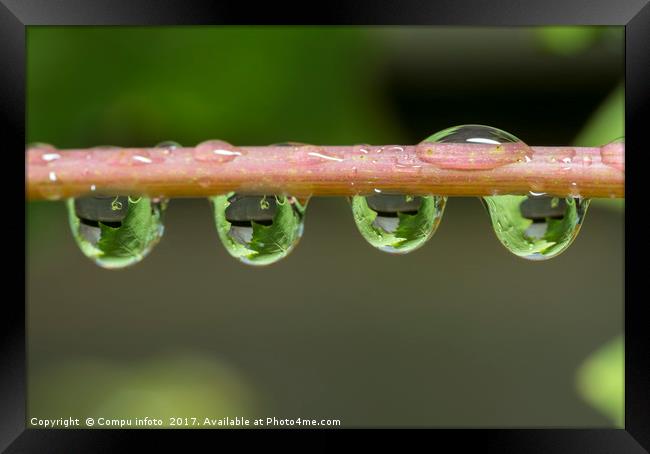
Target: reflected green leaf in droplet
510, 226
269, 243
122, 246
413, 229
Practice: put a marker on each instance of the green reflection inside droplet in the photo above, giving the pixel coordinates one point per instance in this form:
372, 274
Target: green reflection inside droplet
397, 223
536, 227
116, 231
258, 230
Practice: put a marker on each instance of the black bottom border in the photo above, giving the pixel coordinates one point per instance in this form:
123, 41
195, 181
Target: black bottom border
529, 441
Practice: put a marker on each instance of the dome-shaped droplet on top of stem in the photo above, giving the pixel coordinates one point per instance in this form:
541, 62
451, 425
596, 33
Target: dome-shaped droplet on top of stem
42, 154
168, 145
473, 147
216, 151
534, 226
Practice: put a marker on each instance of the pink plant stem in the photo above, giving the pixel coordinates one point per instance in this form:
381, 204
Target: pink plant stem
443, 169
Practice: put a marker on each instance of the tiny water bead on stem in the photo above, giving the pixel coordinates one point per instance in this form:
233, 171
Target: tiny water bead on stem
536, 196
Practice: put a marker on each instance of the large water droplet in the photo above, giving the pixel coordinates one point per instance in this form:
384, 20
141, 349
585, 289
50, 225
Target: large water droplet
536, 227
397, 223
259, 230
116, 231
472, 147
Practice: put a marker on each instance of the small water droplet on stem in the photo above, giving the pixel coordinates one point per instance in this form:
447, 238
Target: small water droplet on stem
216, 151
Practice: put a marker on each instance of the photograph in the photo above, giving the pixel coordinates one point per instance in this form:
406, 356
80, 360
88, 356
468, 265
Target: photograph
405, 222
372, 307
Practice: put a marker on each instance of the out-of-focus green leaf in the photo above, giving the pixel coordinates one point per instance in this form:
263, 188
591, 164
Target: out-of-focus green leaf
568, 40
178, 385
140, 85
606, 125
601, 380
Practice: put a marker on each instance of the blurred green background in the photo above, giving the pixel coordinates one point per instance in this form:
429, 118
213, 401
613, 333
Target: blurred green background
458, 333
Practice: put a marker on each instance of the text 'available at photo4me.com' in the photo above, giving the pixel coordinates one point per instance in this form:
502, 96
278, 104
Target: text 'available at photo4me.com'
179, 422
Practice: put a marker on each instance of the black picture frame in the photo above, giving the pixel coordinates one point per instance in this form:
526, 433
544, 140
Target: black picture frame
15, 15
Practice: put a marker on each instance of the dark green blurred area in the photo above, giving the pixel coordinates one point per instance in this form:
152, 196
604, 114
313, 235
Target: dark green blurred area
458, 333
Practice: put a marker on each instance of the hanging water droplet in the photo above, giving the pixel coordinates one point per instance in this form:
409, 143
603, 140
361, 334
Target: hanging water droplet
532, 227
536, 227
397, 223
116, 231
473, 147
259, 230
